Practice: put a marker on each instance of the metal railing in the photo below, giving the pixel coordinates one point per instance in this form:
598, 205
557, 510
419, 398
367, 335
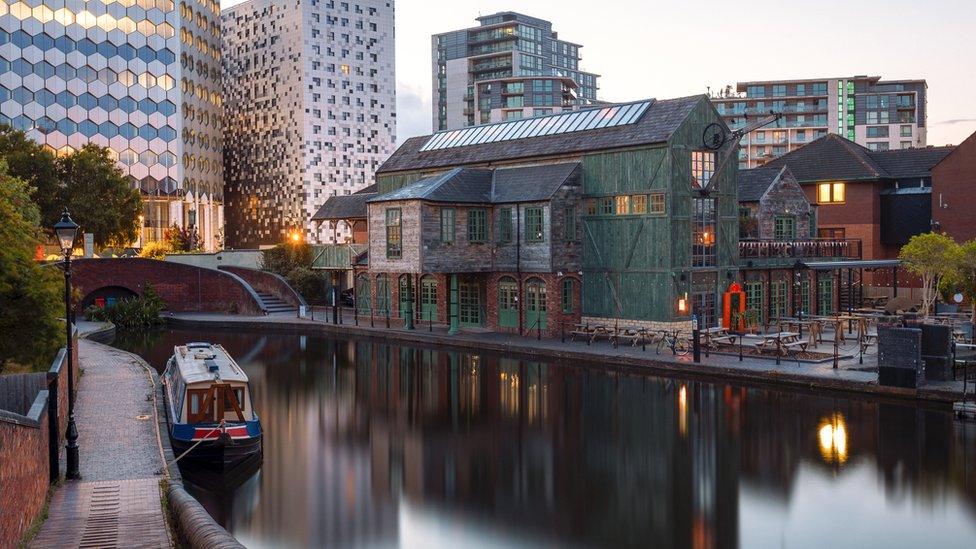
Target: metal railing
848, 248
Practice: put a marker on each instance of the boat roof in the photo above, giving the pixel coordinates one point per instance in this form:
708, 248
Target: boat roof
201, 361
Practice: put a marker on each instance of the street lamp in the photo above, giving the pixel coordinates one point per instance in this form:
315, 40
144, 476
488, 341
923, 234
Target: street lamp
66, 230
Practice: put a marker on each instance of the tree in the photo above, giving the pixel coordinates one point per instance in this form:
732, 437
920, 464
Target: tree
182, 239
928, 256
963, 272
98, 196
28, 161
30, 295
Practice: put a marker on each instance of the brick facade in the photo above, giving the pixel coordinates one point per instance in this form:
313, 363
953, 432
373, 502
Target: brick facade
23, 475
954, 191
184, 288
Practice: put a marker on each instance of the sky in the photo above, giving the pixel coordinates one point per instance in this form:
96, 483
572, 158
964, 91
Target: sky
674, 48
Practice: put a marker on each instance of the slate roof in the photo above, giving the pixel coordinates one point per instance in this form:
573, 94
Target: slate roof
483, 186
656, 125
349, 206
833, 157
753, 183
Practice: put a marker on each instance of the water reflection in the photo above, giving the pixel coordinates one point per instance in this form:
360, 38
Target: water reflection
372, 445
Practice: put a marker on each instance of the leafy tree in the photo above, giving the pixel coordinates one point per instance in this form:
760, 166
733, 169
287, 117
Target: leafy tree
155, 250
928, 256
182, 239
30, 295
28, 161
963, 272
285, 258
98, 196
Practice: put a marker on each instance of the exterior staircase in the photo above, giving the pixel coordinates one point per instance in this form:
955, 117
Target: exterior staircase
276, 305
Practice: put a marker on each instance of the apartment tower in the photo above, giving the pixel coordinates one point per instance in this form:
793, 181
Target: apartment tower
140, 77
310, 111
878, 114
509, 67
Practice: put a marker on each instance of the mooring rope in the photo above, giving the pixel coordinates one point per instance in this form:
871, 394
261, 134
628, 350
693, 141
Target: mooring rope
190, 449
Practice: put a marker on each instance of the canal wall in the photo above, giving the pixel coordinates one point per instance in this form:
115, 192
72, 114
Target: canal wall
849, 378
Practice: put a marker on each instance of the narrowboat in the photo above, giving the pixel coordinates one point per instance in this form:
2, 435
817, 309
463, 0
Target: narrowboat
208, 407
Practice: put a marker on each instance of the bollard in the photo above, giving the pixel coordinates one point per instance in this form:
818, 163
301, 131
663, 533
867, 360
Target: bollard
387, 318
835, 343
430, 323
777, 349
371, 315
562, 332
695, 340
741, 337
538, 331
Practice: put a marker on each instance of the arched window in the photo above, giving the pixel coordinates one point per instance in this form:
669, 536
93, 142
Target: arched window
535, 304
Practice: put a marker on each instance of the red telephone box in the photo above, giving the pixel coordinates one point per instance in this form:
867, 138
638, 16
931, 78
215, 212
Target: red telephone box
734, 300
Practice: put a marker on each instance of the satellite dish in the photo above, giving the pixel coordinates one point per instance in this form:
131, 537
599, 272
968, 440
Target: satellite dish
714, 136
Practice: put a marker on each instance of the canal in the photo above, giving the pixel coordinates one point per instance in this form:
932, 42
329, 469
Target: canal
373, 444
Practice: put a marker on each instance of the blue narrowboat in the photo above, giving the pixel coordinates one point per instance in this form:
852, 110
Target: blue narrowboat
209, 411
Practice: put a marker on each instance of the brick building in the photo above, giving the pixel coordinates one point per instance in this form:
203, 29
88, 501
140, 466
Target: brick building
954, 191
496, 233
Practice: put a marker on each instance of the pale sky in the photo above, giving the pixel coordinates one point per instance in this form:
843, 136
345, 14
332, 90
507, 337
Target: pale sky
673, 48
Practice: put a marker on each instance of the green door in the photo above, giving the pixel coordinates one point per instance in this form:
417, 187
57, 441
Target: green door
507, 303
363, 295
406, 294
428, 298
535, 304
469, 307
382, 295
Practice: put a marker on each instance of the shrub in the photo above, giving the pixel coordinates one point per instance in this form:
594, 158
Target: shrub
132, 313
155, 250
182, 239
285, 258
309, 283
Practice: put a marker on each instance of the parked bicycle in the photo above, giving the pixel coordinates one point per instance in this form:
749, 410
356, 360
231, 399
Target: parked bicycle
672, 341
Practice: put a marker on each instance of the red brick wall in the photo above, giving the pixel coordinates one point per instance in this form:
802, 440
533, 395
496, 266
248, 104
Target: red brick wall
954, 180
859, 216
266, 282
23, 477
184, 288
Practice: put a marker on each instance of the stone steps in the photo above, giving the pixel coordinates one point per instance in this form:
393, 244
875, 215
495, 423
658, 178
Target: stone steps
276, 304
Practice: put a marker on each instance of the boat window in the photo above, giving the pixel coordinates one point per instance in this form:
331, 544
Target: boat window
195, 406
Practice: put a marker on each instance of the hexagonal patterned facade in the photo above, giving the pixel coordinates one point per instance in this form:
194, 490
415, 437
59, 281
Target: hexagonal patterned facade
310, 102
140, 77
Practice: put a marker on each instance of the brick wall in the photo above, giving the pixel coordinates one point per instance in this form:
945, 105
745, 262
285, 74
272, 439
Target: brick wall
954, 191
23, 469
268, 282
184, 288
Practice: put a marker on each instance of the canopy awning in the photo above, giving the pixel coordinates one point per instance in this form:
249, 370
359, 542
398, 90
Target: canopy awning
852, 264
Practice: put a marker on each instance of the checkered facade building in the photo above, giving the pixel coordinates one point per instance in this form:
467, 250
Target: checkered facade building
310, 101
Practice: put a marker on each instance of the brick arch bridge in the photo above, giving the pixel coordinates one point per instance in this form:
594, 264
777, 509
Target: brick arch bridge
184, 288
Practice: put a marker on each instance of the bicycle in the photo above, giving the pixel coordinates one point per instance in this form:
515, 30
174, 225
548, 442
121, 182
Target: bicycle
670, 338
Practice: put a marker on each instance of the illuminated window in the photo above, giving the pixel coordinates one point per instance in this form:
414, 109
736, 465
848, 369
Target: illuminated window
638, 204
831, 193
344, 69
702, 168
623, 205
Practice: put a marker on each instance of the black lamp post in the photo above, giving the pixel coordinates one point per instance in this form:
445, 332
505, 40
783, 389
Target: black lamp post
66, 230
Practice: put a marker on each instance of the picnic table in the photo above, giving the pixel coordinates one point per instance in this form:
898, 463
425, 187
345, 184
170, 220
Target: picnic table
718, 336
630, 333
784, 341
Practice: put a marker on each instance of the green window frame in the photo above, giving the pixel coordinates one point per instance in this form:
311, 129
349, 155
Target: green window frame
638, 204
569, 223
448, 216
825, 296
606, 205
784, 227
534, 226
656, 204
394, 236
805, 295
505, 225
754, 297
567, 296
477, 227
777, 299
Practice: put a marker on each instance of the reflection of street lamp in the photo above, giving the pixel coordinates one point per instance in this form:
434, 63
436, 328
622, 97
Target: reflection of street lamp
66, 230
832, 434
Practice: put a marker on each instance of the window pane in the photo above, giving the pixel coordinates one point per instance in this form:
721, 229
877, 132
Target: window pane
839, 192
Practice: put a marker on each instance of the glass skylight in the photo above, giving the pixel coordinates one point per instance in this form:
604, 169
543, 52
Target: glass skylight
575, 121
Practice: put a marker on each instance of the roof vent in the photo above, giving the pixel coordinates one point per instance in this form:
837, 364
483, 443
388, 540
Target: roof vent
211, 365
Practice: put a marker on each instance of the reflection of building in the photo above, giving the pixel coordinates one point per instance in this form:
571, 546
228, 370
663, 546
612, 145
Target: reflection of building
509, 67
139, 77
878, 114
311, 106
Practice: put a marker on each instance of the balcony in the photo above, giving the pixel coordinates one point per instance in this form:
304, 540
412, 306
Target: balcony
337, 256
783, 253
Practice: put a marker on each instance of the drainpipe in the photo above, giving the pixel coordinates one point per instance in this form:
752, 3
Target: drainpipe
518, 264
453, 291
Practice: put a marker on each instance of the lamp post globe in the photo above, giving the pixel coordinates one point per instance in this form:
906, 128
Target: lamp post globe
66, 230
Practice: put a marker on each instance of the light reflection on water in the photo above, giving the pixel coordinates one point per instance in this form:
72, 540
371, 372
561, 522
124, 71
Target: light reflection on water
368, 444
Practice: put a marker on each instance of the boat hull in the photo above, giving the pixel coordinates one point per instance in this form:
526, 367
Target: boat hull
220, 453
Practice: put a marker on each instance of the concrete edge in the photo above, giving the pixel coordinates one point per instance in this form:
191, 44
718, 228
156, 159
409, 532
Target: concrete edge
774, 379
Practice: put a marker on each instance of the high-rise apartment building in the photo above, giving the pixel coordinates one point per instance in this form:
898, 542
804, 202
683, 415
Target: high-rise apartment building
140, 77
511, 66
879, 114
310, 110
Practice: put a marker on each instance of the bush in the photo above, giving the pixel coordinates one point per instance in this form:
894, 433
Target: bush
285, 258
155, 250
182, 239
309, 283
132, 313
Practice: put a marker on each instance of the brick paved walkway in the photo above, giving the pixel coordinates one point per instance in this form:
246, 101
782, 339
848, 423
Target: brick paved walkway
117, 502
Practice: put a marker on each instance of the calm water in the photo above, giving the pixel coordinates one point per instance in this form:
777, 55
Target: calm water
374, 445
